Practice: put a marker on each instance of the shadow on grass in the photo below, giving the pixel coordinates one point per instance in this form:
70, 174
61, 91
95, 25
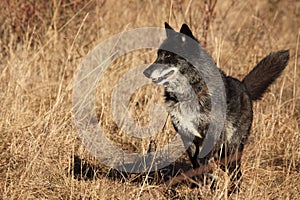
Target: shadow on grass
83, 170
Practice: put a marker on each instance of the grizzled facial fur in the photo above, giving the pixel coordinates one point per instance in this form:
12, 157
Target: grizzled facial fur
172, 70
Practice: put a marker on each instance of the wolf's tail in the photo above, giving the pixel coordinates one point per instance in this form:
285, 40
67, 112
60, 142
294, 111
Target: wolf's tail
265, 73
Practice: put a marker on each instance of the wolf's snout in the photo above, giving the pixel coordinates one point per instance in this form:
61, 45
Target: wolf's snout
159, 73
147, 72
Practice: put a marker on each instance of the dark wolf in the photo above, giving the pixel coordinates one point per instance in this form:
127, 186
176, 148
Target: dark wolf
188, 98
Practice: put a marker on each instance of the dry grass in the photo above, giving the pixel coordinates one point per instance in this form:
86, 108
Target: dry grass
42, 45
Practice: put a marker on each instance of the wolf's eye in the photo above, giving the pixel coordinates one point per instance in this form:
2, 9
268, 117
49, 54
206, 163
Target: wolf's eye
168, 56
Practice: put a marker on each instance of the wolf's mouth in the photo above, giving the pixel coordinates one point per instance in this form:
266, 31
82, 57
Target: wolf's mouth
159, 79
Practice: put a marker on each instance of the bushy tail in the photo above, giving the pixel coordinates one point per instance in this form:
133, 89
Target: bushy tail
265, 73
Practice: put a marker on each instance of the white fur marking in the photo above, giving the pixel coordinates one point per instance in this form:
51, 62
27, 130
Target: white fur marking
183, 39
230, 130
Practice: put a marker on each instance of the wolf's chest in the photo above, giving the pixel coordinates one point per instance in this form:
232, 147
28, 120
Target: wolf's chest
185, 116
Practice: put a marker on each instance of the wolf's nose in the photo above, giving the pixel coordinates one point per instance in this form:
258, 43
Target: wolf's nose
147, 72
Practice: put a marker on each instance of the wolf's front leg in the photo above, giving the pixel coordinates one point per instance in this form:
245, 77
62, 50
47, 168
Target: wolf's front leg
192, 148
193, 151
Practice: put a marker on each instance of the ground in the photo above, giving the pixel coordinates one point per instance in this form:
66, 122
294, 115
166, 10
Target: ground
42, 46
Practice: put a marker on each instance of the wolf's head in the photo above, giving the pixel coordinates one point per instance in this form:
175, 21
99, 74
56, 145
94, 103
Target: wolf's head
170, 68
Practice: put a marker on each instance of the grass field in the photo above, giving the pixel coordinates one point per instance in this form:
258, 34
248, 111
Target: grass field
42, 45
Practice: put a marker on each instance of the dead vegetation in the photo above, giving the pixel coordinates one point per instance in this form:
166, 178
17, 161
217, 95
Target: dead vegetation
42, 45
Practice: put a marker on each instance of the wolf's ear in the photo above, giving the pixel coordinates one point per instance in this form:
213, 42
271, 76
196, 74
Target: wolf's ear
186, 30
169, 29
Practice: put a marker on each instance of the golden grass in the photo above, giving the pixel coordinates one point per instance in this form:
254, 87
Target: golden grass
42, 45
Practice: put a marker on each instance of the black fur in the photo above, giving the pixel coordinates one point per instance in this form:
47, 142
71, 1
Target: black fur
265, 73
188, 99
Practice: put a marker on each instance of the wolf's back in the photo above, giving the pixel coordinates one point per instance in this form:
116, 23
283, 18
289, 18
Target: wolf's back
265, 73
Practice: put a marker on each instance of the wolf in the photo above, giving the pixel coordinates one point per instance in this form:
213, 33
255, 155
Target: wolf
188, 98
